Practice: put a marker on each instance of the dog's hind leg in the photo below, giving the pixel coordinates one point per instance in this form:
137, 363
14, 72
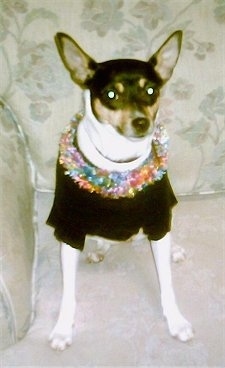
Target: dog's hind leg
178, 326
98, 255
61, 335
178, 254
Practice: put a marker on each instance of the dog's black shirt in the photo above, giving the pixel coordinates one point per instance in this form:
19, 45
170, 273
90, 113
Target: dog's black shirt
77, 212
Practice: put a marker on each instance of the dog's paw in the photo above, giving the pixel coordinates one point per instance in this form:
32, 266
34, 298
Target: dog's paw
61, 339
181, 329
95, 257
178, 254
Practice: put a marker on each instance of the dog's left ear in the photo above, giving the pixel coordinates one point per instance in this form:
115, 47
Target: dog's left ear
165, 59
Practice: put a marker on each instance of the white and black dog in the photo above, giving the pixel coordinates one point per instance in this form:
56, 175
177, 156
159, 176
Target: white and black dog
111, 178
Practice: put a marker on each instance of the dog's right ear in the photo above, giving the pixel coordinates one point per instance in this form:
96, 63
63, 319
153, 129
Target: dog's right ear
80, 65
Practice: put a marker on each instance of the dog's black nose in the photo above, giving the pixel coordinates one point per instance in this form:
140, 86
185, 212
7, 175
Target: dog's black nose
140, 125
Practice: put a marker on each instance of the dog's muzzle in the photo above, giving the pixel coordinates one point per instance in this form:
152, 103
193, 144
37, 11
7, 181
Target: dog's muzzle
140, 126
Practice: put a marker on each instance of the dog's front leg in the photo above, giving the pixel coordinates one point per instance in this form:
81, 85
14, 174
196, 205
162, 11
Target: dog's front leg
61, 335
178, 326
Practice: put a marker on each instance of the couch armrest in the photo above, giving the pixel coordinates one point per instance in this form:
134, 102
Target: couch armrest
17, 241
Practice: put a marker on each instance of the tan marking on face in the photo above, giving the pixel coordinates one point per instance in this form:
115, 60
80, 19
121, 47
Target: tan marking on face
120, 87
142, 82
105, 115
151, 111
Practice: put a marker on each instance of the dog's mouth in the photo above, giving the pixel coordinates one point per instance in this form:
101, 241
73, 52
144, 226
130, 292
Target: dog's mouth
137, 129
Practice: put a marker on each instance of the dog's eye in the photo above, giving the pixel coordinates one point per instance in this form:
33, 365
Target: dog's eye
150, 91
112, 95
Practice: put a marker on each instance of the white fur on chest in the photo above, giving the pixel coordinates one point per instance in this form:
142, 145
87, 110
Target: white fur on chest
103, 146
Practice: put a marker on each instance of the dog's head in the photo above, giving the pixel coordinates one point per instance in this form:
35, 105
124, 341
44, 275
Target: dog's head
124, 92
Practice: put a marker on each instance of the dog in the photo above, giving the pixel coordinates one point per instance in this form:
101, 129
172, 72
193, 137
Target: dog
111, 177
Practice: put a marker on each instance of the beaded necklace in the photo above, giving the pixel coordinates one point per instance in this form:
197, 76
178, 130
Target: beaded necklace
113, 184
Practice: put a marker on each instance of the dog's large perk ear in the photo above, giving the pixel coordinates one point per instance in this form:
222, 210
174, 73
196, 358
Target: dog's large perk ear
80, 65
165, 59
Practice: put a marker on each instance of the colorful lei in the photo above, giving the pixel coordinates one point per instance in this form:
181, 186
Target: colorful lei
113, 184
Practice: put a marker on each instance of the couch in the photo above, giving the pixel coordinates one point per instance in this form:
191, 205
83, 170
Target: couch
38, 99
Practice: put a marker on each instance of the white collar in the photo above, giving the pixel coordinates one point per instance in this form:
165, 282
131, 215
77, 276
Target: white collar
104, 146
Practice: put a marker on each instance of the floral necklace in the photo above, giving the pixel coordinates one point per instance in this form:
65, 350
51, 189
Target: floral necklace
113, 184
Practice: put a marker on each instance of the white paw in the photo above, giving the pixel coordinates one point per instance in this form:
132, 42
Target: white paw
61, 339
94, 257
178, 254
181, 329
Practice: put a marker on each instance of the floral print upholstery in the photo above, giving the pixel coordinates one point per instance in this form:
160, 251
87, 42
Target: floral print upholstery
37, 85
